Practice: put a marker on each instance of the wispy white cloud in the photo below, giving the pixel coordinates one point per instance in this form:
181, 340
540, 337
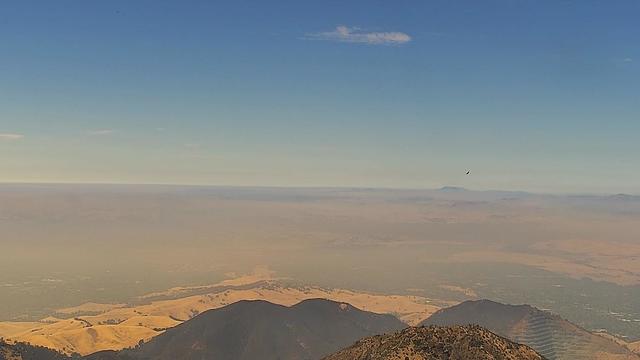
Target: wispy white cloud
356, 35
10, 136
101, 132
627, 60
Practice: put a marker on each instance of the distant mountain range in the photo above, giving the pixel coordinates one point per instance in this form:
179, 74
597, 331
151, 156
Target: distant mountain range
548, 334
435, 342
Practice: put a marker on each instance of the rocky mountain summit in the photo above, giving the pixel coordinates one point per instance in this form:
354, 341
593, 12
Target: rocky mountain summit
435, 343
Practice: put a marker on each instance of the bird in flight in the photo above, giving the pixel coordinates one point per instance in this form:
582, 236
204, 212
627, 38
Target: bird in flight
468, 172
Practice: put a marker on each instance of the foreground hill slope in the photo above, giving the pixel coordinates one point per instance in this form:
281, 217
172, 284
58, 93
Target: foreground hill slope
22, 351
249, 330
469, 342
548, 334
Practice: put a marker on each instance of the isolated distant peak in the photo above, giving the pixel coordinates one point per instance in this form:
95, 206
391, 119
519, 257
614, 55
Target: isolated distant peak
625, 197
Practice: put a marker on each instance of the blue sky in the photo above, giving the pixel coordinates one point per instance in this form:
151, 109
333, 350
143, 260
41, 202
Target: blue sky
529, 95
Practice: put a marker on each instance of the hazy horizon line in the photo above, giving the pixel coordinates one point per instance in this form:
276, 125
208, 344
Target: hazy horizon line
310, 187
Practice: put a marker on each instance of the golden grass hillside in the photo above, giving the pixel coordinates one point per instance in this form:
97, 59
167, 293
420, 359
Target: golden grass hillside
9, 328
115, 327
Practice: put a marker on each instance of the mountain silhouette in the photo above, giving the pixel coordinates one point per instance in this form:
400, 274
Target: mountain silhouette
546, 333
249, 330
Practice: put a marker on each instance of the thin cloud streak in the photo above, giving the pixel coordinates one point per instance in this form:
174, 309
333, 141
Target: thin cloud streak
101, 132
356, 35
10, 136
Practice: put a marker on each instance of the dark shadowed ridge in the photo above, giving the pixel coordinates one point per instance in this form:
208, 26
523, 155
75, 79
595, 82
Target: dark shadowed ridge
469, 342
548, 334
249, 330
22, 351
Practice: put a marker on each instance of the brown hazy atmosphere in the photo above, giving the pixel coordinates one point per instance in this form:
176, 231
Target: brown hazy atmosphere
67, 245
